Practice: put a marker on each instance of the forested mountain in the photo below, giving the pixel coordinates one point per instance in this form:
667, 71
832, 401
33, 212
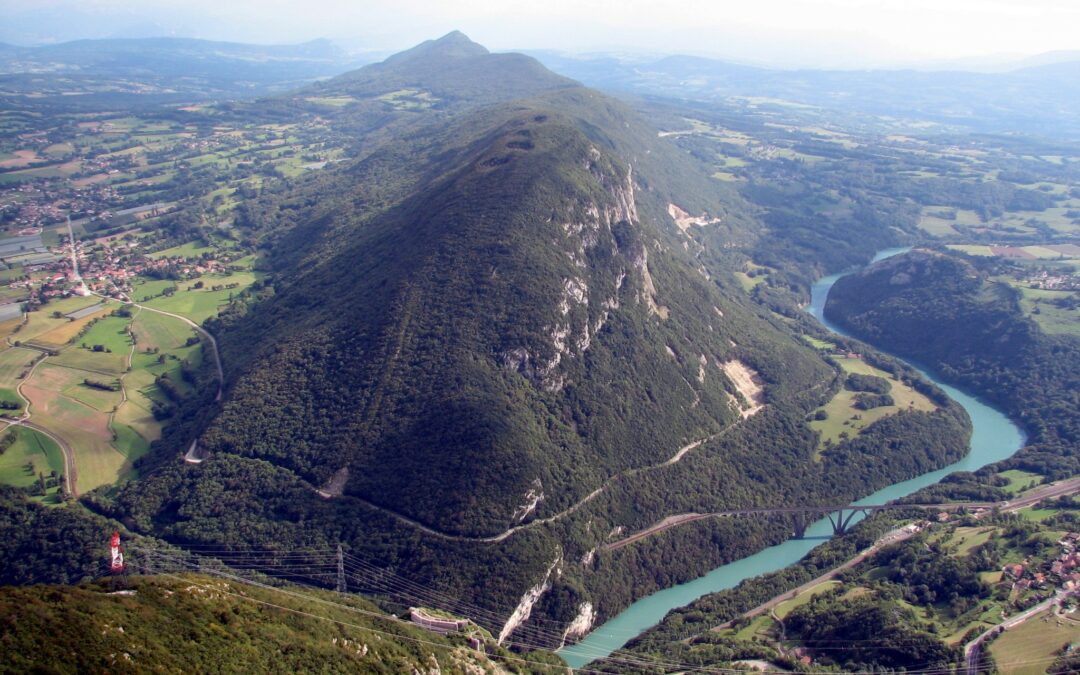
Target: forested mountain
949, 313
448, 69
491, 344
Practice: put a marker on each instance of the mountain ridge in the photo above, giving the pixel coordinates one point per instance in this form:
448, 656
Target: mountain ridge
490, 344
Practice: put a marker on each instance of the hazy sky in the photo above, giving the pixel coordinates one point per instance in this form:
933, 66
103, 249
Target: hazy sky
813, 32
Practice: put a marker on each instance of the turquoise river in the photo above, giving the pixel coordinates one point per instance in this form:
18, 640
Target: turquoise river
994, 438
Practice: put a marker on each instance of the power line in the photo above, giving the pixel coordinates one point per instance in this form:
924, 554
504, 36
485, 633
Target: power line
294, 570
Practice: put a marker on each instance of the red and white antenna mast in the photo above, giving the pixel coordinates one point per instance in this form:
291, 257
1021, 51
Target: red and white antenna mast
116, 560
116, 566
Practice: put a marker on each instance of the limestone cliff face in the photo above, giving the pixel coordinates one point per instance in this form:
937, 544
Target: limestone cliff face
588, 294
496, 344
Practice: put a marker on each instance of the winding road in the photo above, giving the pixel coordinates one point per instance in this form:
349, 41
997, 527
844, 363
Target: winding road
191, 456
971, 650
71, 475
974, 648
622, 475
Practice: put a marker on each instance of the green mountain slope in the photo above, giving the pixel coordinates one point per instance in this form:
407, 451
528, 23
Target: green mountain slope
494, 339
488, 350
446, 70
193, 623
952, 313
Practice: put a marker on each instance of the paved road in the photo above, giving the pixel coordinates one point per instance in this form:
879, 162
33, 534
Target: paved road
71, 475
629, 473
199, 329
1044, 492
191, 456
973, 648
1058, 489
889, 538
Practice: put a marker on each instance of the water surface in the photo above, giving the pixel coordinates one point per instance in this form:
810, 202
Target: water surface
993, 439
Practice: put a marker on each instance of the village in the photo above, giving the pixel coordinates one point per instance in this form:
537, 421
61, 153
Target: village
1049, 576
1056, 280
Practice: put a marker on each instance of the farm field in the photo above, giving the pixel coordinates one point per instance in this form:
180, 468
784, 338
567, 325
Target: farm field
844, 417
1019, 480
158, 331
935, 220
1030, 648
1031, 252
35, 449
788, 606
201, 304
136, 413
161, 347
71, 383
11, 397
42, 321
106, 432
967, 538
111, 333
102, 363
84, 427
13, 362
1052, 318
63, 334
143, 289
188, 250
818, 344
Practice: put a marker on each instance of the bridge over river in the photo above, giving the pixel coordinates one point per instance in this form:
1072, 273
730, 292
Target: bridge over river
840, 517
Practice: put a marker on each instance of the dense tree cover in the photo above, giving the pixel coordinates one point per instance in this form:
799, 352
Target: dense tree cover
864, 632
487, 306
40, 544
203, 624
870, 401
472, 313
925, 575
867, 383
945, 312
694, 622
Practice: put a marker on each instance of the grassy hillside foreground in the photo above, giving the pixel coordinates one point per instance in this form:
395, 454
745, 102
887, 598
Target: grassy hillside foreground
193, 623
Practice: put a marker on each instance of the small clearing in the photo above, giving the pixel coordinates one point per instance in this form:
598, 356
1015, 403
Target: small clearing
335, 487
748, 383
684, 221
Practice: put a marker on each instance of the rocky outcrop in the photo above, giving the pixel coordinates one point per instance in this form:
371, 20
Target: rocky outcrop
524, 608
581, 625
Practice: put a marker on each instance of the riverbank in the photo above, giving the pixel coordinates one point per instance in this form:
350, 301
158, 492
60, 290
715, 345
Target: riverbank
994, 438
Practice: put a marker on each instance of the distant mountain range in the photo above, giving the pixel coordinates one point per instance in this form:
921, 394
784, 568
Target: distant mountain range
1035, 95
154, 70
1041, 95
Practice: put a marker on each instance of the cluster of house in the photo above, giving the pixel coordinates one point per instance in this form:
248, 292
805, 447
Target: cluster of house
46, 205
1062, 571
34, 214
113, 271
1053, 281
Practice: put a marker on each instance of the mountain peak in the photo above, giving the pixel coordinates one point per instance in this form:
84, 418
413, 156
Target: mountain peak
451, 68
453, 45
